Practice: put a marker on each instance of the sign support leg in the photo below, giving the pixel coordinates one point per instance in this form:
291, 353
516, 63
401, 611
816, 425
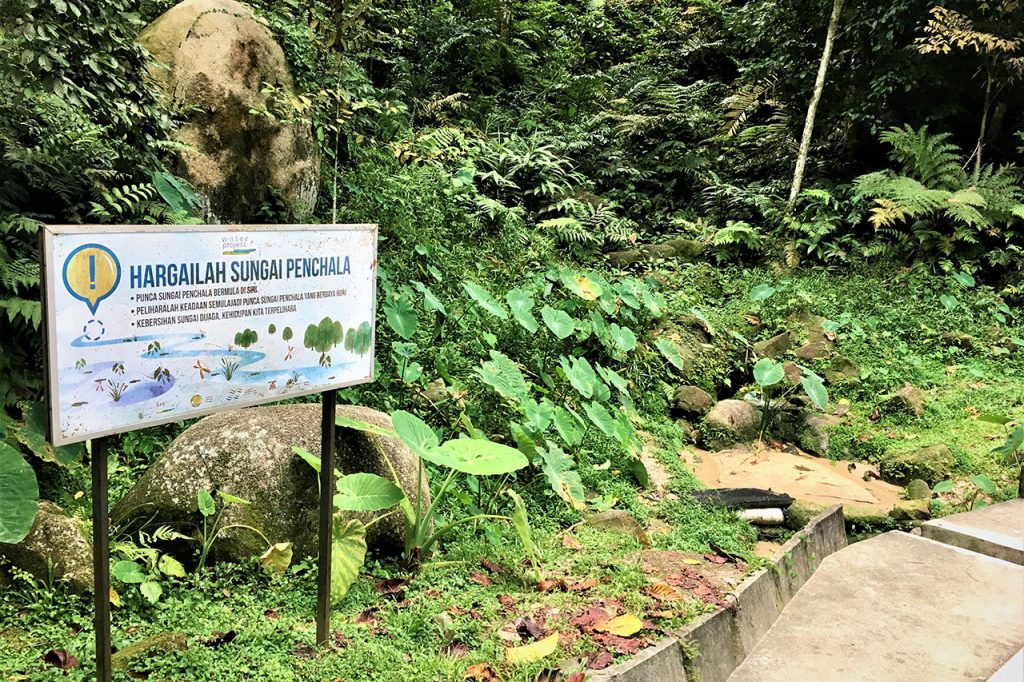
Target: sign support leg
101, 558
323, 581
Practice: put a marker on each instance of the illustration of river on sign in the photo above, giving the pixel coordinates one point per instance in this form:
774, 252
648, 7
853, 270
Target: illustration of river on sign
256, 332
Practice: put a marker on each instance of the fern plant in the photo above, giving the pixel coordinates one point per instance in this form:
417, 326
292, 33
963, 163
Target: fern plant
933, 207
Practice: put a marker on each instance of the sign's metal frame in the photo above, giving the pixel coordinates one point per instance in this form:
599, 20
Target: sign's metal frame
50, 282
99, 441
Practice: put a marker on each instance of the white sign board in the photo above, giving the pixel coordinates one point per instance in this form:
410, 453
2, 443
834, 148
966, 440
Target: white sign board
154, 324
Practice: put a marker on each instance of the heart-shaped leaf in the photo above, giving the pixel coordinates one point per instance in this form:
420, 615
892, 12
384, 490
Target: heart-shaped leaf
430, 301
485, 300
671, 352
414, 432
623, 337
767, 372
366, 492
521, 303
814, 386
477, 457
401, 316
19, 495
277, 558
501, 374
558, 321
128, 572
348, 552
762, 292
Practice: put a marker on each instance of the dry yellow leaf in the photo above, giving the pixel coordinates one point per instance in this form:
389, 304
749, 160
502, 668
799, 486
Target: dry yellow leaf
664, 592
692, 562
533, 652
115, 598
625, 625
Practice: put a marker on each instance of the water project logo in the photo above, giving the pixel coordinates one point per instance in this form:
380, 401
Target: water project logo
91, 274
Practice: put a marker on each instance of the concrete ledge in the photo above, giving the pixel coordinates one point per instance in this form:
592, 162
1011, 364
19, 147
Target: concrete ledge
1013, 671
712, 646
996, 531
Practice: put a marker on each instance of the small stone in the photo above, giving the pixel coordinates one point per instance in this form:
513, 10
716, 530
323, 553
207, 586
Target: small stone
918, 490
729, 422
693, 401
58, 540
909, 399
842, 369
774, 347
911, 510
619, 521
930, 464
154, 644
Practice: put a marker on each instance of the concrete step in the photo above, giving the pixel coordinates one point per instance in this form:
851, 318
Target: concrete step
997, 531
896, 607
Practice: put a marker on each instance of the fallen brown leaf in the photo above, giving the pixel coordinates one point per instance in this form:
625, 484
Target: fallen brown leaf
569, 542
490, 566
599, 660
480, 578
663, 592
481, 672
392, 587
61, 659
582, 586
549, 585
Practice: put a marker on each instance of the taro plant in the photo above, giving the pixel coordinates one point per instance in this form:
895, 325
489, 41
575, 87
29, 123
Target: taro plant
142, 564
212, 512
770, 376
365, 492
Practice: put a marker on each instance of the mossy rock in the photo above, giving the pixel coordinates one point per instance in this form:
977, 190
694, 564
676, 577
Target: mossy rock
248, 453
58, 541
730, 422
213, 60
161, 643
930, 464
692, 401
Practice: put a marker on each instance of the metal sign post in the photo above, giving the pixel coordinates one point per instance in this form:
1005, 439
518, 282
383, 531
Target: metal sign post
323, 575
101, 558
154, 324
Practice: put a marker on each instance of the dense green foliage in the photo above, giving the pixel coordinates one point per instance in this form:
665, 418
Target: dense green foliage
506, 150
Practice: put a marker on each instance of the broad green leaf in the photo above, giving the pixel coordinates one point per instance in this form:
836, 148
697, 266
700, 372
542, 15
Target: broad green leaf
1012, 444
503, 375
128, 572
623, 337
358, 425
486, 301
531, 653
151, 590
524, 442
671, 352
277, 558
477, 457
614, 378
703, 320
814, 386
19, 495
584, 286
998, 419
984, 484
348, 553
410, 372
602, 419
558, 470
521, 303
964, 279
640, 473
404, 350
539, 415
430, 301
33, 436
558, 321
168, 565
948, 302
414, 432
767, 372
943, 486
653, 301
762, 292
228, 497
207, 507
366, 492
584, 379
307, 457
401, 316
568, 426
521, 521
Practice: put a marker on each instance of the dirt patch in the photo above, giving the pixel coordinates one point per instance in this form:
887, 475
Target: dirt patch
802, 476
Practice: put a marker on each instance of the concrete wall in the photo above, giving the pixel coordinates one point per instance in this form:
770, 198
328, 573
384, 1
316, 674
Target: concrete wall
711, 647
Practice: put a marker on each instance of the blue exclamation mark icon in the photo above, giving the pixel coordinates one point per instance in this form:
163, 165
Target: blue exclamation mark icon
92, 272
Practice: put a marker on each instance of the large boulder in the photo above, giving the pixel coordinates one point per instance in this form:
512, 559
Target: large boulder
930, 464
807, 429
730, 422
248, 453
213, 59
56, 541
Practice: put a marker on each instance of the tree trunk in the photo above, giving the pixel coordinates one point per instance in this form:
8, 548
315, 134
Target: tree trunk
812, 108
984, 124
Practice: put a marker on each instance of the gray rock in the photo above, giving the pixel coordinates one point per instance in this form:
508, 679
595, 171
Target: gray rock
930, 464
807, 429
58, 540
729, 422
775, 347
816, 344
918, 490
693, 401
248, 453
911, 510
213, 59
908, 400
